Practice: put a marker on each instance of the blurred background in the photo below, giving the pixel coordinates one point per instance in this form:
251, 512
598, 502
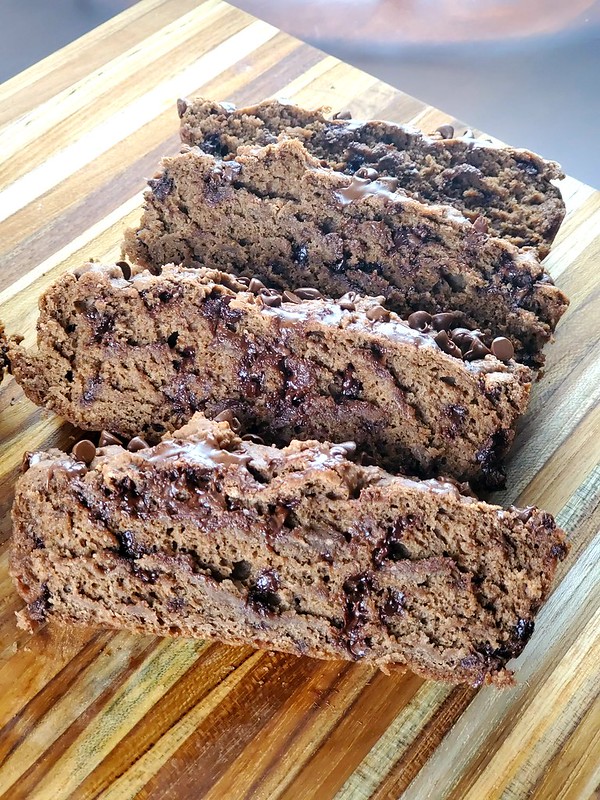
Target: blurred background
526, 71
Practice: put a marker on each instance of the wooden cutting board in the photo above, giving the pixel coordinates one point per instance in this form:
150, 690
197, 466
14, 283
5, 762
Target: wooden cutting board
87, 713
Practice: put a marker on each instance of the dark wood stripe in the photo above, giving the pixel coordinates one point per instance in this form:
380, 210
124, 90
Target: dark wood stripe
203, 758
214, 665
421, 748
33, 778
362, 724
24, 722
301, 718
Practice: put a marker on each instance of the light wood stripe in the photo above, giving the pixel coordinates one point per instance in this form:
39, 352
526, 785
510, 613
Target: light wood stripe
546, 723
111, 662
51, 75
92, 88
71, 254
155, 675
96, 714
392, 746
201, 689
568, 776
106, 134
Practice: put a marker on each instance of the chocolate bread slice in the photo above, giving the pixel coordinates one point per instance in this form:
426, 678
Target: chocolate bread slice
299, 550
510, 188
276, 212
143, 354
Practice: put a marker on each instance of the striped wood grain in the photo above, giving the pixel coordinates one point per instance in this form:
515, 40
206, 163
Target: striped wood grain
87, 713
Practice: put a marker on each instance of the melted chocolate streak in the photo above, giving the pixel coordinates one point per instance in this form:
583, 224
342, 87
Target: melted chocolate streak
190, 490
357, 590
298, 378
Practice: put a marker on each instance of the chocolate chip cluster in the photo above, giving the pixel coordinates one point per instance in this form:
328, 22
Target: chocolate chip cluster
85, 449
274, 298
459, 342
455, 341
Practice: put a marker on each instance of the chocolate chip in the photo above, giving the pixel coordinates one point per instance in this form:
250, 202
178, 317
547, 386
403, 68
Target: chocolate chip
419, 320
446, 131
462, 337
300, 254
181, 107
559, 551
481, 225
443, 321
392, 544
74, 469
262, 595
378, 314
357, 590
477, 350
107, 438
306, 293
342, 115
367, 172
470, 344
26, 461
351, 386
137, 443
524, 630
523, 514
161, 187
343, 449
128, 546
84, 451
255, 286
228, 416
502, 348
125, 269
251, 437
393, 606
447, 345
270, 297
290, 297
348, 301
38, 610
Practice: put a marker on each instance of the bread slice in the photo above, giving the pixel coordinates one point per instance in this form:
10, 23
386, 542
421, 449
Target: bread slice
299, 550
276, 212
142, 355
510, 188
